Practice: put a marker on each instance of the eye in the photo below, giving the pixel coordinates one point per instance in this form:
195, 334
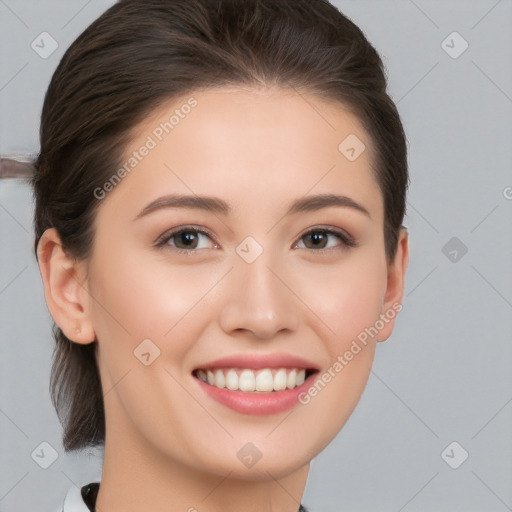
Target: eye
187, 239
318, 238
184, 240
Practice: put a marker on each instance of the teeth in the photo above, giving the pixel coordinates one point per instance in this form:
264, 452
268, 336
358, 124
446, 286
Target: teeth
291, 380
280, 380
265, 381
247, 380
231, 380
220, 380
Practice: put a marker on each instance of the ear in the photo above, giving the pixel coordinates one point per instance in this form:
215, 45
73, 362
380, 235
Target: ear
65, 290
392, 300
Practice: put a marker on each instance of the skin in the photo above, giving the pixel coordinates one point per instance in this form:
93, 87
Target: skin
167, 443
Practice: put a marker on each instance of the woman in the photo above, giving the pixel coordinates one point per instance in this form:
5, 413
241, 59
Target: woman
219, 202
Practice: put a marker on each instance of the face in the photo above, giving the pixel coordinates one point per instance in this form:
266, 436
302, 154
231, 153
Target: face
256, 284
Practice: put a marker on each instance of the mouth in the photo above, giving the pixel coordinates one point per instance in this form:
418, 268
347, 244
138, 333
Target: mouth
248, 380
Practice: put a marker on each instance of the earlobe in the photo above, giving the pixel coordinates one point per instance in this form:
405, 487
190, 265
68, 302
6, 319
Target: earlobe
65, 290
392, 300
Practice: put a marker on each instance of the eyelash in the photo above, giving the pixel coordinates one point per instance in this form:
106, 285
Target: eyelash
162, 241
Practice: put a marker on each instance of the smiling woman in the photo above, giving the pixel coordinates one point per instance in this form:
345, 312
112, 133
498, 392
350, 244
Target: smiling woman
219, 276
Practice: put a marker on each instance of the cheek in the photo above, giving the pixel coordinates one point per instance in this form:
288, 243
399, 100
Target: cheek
348, 302
139, 299
346, 298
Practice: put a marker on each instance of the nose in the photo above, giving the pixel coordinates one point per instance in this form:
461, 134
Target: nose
260, 301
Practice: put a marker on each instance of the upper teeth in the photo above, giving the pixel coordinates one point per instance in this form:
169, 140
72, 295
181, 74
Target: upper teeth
250, 380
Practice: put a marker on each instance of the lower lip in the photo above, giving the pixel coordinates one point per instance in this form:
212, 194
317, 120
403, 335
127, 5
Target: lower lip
256, 403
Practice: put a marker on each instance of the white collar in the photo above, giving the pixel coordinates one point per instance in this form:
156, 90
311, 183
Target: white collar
73, 501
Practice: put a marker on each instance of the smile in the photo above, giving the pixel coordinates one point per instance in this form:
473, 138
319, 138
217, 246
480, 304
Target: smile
248, 380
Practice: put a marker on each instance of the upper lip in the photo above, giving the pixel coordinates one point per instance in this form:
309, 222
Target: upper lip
260, 361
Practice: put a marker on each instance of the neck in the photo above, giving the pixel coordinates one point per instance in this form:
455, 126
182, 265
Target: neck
137, 476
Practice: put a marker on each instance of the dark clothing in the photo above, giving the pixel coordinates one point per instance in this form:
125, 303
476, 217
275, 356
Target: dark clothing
90, 493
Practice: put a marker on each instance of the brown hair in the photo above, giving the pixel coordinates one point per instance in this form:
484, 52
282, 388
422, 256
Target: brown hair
141, 54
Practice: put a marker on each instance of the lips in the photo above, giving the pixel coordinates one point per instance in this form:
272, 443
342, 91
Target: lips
256, 383
260, 361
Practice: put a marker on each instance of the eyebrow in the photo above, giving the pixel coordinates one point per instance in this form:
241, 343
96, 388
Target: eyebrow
219, 206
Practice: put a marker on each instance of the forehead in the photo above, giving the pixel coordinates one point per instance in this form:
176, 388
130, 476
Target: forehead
266, 143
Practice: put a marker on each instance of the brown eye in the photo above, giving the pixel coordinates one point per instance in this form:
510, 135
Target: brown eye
185, 240
320, 239
188, 238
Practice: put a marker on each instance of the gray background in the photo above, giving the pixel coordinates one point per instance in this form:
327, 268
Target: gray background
443, 376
